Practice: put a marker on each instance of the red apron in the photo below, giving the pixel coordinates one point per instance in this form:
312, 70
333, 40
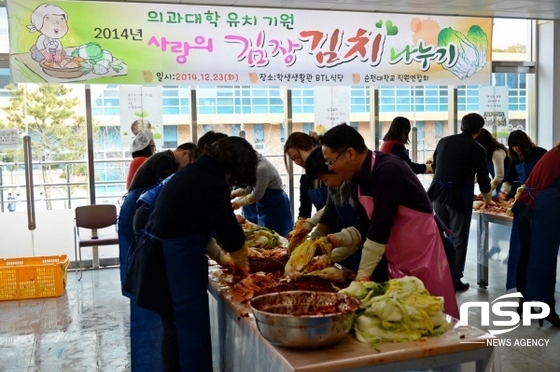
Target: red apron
415, 249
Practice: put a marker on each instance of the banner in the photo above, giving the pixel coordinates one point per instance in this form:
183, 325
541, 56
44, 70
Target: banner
493, 106
332, 107
141, 43
9, 139
140, 108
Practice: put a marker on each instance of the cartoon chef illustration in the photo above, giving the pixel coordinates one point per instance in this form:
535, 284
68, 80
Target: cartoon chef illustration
51, 21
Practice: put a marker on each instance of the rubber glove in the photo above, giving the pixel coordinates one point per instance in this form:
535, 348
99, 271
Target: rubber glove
217, 254
306, 224
371, 255
429, 169
341, 253
504, 191
244, 200
239, 257
239, 192
346, 237
487, 197
494, 184
320, 230
303, 227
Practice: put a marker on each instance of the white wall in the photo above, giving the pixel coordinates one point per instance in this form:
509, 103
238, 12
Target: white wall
54, 235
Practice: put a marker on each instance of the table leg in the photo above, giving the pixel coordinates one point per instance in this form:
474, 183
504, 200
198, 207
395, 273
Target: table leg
482, 254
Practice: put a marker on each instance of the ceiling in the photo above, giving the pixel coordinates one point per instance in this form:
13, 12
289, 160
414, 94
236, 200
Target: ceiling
535, 9
524, 9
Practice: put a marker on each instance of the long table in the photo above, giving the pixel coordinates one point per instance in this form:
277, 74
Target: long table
483, 221
237, 345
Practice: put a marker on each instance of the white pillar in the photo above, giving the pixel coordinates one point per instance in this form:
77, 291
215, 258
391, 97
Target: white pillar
548, 84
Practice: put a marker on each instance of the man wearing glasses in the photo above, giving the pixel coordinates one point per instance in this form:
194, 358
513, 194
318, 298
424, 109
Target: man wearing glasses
394, 215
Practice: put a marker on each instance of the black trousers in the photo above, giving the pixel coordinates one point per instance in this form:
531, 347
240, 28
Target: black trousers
170, 346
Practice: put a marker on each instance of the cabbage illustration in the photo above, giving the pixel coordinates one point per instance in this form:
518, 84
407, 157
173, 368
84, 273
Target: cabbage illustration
96, 59
471, 50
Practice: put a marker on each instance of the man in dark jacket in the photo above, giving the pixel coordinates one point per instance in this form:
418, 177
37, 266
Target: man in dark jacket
458, 159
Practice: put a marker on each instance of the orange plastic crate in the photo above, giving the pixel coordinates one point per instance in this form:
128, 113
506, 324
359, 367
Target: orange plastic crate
32, 277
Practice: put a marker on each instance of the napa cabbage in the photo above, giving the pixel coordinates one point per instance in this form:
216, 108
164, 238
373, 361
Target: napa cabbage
470, 50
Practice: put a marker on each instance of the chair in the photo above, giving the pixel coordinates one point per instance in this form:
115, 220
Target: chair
93, 217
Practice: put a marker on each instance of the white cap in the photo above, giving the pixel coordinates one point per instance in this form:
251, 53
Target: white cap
141, 141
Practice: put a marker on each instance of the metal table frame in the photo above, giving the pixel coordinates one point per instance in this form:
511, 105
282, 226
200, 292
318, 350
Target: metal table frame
483, 221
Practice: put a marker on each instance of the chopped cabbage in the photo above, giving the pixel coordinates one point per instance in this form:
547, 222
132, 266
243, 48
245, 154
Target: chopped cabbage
398, 310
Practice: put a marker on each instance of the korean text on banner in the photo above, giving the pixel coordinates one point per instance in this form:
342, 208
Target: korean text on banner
141, 43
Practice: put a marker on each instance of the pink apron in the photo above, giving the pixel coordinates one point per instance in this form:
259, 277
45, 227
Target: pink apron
415, 249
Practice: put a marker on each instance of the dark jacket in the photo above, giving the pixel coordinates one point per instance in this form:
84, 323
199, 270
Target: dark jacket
511, 172
458, 159
154, 170
196, 200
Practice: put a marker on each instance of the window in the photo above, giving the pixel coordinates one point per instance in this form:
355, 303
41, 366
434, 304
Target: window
170, 138
258, 135
108, 137
430, 98
234, 130
282, 133
108, 102
359, 99
207, 128
307, 127
175, 100
302, 100
239, 100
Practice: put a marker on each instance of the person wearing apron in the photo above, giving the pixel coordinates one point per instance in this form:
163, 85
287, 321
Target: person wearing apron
457, 161
524, 154
496, 156
146, 332
394, 215
339, 212
538, 210
297, 148
192, 207
265, 204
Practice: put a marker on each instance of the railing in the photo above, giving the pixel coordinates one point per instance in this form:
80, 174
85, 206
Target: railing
68, 188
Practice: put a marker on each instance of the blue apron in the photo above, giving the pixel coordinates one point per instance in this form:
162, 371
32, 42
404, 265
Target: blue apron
273, 211
146, 330
514, 254
249, 212
467, 192
545, 240
126, 232
523, 170
318, 196
187, 271
347, 217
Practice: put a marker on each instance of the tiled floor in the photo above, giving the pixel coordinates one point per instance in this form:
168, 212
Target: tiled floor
87, 328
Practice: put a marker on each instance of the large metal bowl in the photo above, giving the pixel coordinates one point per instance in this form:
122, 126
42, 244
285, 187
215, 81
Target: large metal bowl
304, 319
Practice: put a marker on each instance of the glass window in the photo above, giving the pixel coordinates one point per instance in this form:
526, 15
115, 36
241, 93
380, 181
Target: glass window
170, 137
258, 135
4, 80
307, 127
510, 39
4, 40
234, 129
